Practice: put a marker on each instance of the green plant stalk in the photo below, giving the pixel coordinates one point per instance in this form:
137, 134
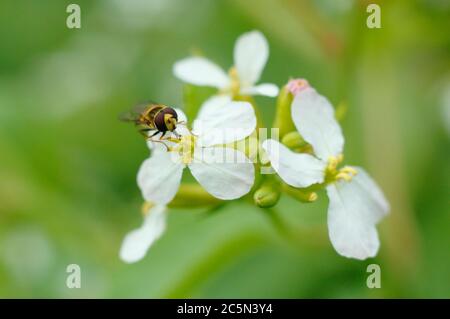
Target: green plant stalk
302, 195
283, 120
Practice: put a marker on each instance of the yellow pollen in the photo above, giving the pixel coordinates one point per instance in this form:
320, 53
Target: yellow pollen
185, 147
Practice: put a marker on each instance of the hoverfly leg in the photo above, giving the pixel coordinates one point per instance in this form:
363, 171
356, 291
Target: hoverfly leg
162, 136
154, 134
144, 131
177, 135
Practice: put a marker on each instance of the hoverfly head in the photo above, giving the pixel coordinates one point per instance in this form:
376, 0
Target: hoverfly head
166, 120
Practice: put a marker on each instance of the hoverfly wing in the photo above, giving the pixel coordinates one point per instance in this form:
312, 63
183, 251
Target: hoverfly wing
135, 113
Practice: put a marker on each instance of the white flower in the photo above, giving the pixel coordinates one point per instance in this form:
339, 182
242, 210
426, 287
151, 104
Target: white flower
137, 242
224, 172
356, 202
251, 52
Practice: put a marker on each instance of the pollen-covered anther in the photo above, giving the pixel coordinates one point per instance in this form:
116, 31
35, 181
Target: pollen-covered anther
346, 174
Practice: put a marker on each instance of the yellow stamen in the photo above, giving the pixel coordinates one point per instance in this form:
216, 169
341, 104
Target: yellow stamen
333, 174
349, 170
185, 148
343, 176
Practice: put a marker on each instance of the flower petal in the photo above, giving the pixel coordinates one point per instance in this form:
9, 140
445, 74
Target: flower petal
181, 115
200, 71
137, 242
266, 89
298, 170
355, 208
159, 177
313, 116
251, 52
222, 121
182, 127
224, 172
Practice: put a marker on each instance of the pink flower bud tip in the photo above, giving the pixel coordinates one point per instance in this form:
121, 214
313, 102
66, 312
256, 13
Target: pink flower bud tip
296, 86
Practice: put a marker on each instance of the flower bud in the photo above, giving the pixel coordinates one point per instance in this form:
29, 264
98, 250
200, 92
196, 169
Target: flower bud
267, 195
293, 140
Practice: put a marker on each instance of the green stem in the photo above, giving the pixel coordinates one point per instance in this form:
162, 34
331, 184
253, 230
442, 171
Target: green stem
283, 119
302, 195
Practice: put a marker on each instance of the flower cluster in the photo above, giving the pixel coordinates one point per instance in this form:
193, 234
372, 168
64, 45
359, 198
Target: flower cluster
306, 160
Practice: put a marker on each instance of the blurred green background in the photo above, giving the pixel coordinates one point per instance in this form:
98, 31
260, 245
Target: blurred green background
68, 166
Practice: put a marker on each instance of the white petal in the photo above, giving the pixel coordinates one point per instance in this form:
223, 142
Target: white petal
181, 115
313, 116
222, 121
182, 127
200, 71
224, 172
378, 206
266, 89
354, 210
159, 177
251, 52
298, 170
137, 242
155, 147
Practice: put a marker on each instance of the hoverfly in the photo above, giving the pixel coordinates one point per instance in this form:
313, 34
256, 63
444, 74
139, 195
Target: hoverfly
151, 116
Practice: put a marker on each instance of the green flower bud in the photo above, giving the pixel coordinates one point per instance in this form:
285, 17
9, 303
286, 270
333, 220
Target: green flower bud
267, 195
293, 140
